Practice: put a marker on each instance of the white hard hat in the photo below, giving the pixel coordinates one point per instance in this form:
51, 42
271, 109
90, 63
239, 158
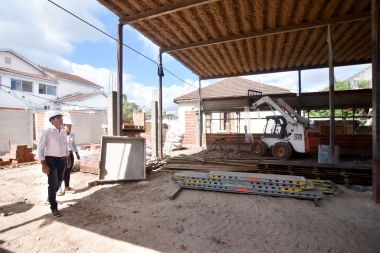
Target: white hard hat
54, 113
67, 121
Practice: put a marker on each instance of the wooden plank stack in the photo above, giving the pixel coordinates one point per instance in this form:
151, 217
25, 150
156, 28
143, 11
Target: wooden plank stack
19, 153
207, 164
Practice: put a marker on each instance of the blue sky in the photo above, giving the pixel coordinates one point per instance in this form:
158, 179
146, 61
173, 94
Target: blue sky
48, 36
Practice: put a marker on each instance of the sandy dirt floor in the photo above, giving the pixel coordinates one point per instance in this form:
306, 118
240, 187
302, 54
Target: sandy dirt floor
139, 217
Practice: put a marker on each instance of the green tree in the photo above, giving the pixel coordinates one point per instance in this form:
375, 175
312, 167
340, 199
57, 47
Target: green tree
362, 84
340, 85
129, 108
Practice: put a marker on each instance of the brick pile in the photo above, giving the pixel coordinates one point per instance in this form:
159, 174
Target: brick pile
190, 128
19, 154
2, 162
90, 166
90, 163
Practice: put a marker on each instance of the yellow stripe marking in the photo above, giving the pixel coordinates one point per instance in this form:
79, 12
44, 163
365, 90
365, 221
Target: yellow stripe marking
193, 181
290, 189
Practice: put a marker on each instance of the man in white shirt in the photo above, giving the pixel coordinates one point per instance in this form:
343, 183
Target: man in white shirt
67, 123
53, 151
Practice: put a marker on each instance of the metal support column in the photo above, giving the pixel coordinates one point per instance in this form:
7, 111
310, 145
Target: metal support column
332, 94
119, 110
153, 130
200, 125
299, 92
375, 20
160, 75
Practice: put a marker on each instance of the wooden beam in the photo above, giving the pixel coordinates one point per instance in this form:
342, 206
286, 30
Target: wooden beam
278, 30
167, 9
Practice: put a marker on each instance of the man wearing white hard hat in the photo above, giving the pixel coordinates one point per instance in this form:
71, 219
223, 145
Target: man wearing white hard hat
53, 151
67, 123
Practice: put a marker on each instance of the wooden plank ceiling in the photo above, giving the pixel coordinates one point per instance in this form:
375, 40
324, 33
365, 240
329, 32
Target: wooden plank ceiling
223, 38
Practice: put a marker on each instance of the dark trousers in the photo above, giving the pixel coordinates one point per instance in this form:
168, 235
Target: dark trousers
66, 177
55, 177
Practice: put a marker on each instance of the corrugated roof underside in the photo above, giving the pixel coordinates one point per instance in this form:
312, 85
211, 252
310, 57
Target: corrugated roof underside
221, 19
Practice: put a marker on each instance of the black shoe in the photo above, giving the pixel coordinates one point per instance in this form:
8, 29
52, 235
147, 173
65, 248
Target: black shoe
56, 213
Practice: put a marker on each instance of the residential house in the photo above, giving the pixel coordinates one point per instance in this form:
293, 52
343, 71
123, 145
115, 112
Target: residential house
28, 91
222, 121
29, 86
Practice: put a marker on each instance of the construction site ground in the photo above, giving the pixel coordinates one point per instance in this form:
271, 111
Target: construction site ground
138, 216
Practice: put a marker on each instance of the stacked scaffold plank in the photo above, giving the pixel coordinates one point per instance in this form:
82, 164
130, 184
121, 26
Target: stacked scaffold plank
250, 183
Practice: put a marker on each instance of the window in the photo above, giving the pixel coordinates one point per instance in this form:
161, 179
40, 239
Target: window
7, 60
226, 121
21, 85
47, 89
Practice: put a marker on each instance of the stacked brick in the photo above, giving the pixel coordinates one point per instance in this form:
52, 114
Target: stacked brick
90, 166
190, 128
2, 162
89, 163
19, 154
139, 119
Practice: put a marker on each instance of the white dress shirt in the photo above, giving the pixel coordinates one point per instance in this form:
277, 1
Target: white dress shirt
52, 143
71, 142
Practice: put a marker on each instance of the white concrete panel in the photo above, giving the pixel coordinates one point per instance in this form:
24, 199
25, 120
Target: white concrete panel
16, 126
122, 158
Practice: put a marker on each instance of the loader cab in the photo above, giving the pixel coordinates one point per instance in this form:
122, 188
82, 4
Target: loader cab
275, 127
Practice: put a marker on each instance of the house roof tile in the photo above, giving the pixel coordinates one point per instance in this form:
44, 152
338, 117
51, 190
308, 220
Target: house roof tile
232, 87
70, 77
80, 96
48, 78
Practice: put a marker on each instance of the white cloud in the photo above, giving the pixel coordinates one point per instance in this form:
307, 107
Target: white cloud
136, 92
311, 80
149, 48
39, 28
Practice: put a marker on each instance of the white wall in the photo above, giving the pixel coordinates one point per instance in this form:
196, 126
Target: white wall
99, 101
66, 87
18, 64
21, 99
16, 126
257, 122
182, 108
87, 127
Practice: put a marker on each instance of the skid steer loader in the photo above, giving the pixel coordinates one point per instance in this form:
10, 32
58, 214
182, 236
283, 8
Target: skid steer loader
284, 133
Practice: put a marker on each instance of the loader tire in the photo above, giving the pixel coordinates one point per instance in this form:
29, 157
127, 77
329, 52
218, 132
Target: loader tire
259, 148
282, 150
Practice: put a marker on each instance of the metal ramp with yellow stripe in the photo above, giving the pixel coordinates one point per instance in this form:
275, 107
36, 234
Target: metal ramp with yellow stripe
249, 183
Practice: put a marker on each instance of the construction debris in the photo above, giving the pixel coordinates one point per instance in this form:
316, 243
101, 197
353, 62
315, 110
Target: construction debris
154, 163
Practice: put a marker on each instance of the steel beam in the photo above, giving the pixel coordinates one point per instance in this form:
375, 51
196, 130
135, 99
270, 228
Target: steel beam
200, 125
331, 93
160, 105
165, 10
375, 20
119, 110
